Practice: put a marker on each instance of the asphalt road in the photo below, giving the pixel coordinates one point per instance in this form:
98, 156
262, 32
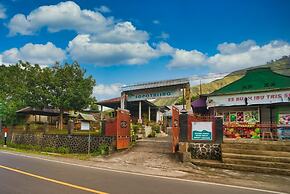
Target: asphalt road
27, 175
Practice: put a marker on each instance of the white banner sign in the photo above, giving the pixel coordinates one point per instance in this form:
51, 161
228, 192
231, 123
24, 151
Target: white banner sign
153, 94
249, 99
85, 125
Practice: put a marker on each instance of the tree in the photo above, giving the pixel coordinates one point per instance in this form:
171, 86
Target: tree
70, 88
12, 91
38, 81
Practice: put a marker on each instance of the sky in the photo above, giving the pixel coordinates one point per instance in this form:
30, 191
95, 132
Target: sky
132, 41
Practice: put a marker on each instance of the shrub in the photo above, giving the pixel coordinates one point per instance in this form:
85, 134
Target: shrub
152, 134
155, 127
103, 149
63, 150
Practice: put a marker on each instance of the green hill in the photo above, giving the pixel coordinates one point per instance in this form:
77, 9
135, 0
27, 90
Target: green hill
281, 66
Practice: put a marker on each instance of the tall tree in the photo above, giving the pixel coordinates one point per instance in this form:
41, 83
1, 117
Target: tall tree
12, 90
70, 88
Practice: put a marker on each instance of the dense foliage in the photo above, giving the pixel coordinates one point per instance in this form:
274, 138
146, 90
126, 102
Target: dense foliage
65, 87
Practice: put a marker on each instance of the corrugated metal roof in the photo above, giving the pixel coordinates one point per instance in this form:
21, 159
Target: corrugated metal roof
148, 85
87, 117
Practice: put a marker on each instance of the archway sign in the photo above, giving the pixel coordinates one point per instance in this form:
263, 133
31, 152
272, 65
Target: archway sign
155, 90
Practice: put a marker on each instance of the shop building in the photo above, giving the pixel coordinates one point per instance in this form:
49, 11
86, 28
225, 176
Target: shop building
258, 102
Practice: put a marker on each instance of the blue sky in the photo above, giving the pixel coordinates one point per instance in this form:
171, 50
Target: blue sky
124, 42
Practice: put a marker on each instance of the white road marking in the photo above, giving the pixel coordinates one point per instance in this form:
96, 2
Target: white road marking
146, 175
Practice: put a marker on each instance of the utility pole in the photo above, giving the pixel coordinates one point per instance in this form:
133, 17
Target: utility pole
200, 91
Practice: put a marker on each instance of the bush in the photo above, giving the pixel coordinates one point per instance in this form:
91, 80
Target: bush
152, 134
155, 127
103, 149
63, 150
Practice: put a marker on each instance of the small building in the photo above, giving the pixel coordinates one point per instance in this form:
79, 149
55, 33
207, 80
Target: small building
149, 110
199, 106
261, 96
86, 121
48, 116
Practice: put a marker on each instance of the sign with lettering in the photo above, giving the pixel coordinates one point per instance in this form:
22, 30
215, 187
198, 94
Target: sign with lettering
153, 94
249, 99
202, 131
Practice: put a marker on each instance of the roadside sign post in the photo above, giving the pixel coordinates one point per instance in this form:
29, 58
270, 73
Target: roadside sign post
5, 136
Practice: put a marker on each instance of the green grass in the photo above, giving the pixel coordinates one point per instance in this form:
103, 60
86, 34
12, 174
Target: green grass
38, 152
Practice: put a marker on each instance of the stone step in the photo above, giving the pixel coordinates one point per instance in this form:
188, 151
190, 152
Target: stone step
258, 169
255, 163
267, 147
153, 146
256, 157
256, 152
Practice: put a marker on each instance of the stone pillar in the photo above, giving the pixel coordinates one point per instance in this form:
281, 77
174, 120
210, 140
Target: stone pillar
140, 112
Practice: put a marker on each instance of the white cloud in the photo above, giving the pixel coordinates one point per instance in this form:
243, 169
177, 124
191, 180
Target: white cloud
185, 59
42, 54
102, 91
103, 9
100, 40
164, 49
247, 54
120, 33
63, 16
84, 49
2, 12
231, 56
233, 48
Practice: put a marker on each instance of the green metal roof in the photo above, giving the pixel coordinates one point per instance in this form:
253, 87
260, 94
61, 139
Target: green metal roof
256, 80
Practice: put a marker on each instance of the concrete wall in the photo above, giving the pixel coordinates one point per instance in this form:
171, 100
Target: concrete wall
75, 143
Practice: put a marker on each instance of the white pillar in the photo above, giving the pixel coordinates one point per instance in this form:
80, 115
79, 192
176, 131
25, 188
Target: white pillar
157, 116
140, 112
149, 113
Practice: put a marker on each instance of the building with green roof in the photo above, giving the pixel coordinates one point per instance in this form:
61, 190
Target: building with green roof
260, 96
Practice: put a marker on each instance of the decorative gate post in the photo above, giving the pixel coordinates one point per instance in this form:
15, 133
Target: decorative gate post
175, 129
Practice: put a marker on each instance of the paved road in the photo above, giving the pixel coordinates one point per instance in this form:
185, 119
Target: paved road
27, 175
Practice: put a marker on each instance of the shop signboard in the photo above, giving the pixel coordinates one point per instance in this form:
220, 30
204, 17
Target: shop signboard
249, 99
202, 131
153, 94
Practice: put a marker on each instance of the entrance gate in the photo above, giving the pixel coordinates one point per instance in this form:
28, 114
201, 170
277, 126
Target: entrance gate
120, 128
175, 129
